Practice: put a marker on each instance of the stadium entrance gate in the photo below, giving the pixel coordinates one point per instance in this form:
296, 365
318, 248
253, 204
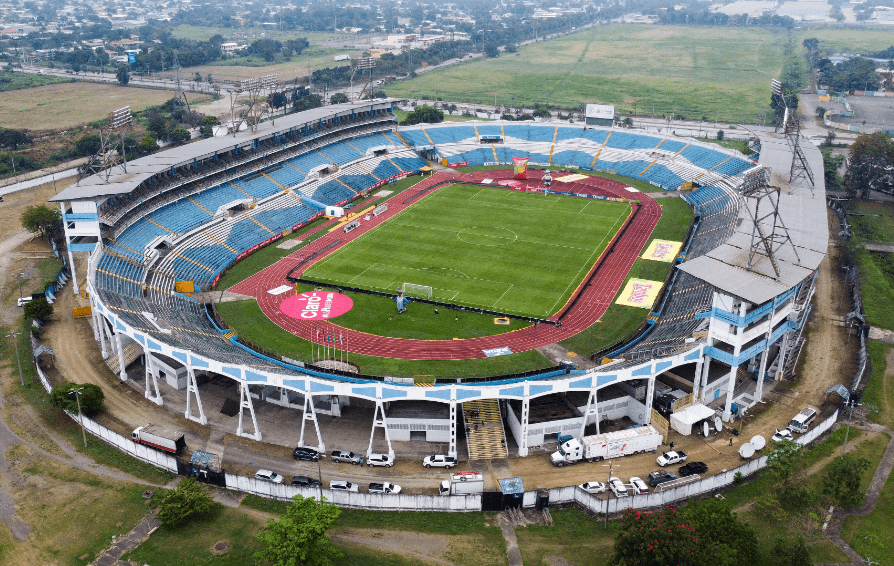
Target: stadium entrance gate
492, 501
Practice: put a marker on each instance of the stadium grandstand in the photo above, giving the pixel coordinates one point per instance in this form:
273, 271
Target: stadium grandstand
723, 325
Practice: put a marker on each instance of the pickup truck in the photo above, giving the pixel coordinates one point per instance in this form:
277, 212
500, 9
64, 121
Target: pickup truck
346, 456
439, 461
669, 458
385, 488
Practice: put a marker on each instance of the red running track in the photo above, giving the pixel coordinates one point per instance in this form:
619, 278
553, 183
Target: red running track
594, 298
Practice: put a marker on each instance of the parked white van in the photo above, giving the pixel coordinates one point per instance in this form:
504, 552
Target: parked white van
802, 420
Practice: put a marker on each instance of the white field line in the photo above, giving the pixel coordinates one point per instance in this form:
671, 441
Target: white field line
587, 264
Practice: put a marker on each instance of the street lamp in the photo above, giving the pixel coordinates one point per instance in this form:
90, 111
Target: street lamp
15, 340
77, 392
611, 468
21, 277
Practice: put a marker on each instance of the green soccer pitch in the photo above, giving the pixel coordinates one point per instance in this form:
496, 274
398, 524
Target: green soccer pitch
497, 249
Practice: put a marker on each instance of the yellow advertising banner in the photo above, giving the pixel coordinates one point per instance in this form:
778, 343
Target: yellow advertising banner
570, 178
662, 250
640, 293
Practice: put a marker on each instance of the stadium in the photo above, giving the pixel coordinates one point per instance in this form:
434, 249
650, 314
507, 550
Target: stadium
156, 238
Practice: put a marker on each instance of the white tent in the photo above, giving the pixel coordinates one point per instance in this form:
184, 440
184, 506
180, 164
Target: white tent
682, 421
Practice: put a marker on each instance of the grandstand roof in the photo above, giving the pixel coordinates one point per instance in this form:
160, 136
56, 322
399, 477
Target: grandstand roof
141, 169
804, 214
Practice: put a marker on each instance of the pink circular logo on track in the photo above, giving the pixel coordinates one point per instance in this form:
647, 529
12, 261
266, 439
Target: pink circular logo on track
316, 305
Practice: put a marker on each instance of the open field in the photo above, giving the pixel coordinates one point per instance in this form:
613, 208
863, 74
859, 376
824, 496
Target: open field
496, 249
202, 33
65, 105
720, 73
17, 81
860, 40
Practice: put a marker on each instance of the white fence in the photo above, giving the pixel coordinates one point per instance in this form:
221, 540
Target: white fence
399, 502
138, 451
812, 435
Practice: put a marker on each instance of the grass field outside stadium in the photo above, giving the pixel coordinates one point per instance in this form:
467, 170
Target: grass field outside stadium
491, 248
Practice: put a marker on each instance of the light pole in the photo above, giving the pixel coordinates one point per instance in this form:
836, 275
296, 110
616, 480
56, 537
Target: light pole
611, 469
15, 340
21, 277
77, 391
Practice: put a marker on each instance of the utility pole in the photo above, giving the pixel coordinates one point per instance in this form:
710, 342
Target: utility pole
77, 391
15, 340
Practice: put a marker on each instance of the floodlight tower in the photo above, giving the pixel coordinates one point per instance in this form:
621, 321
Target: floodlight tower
768, 232
365, 65
180, 94
111, 147
800, 170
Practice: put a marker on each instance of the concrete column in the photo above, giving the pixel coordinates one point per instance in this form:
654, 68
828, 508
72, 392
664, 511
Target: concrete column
192, 388
525, 412
650, 399
697, 378
451, 449
245, 403
154, 396
122, 372
74, 276
309, 414
592, 409
379, 421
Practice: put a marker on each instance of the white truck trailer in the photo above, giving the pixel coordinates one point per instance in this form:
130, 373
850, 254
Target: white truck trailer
160, 438
608, 445
463, 483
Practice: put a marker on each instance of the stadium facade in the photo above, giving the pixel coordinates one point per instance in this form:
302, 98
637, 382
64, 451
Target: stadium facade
730, 317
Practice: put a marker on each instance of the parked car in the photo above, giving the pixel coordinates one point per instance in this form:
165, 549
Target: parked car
346, 456
693, 468
784, 434
593, 487
386, 488
341, 485
380, 460
638, 486
304, 481
439, 461
669, 458
269, 475
617, 487
305, 453
657, 478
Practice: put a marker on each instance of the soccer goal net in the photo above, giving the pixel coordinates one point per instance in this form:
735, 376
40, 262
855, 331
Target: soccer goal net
419, 291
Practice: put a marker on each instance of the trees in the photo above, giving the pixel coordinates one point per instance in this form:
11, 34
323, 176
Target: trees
338, 98
423, 115
179, 135
784, 462
299, 537
871, 165
791, 553
491, 50
656, 539
91, 397
37, 309
542, 113
42, 219
725, 540
122, 75
189, 500
12, 139
842, 480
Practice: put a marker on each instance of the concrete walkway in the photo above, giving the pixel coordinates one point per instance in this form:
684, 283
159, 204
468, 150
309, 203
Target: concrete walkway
133, 539
872, 495
512, 551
